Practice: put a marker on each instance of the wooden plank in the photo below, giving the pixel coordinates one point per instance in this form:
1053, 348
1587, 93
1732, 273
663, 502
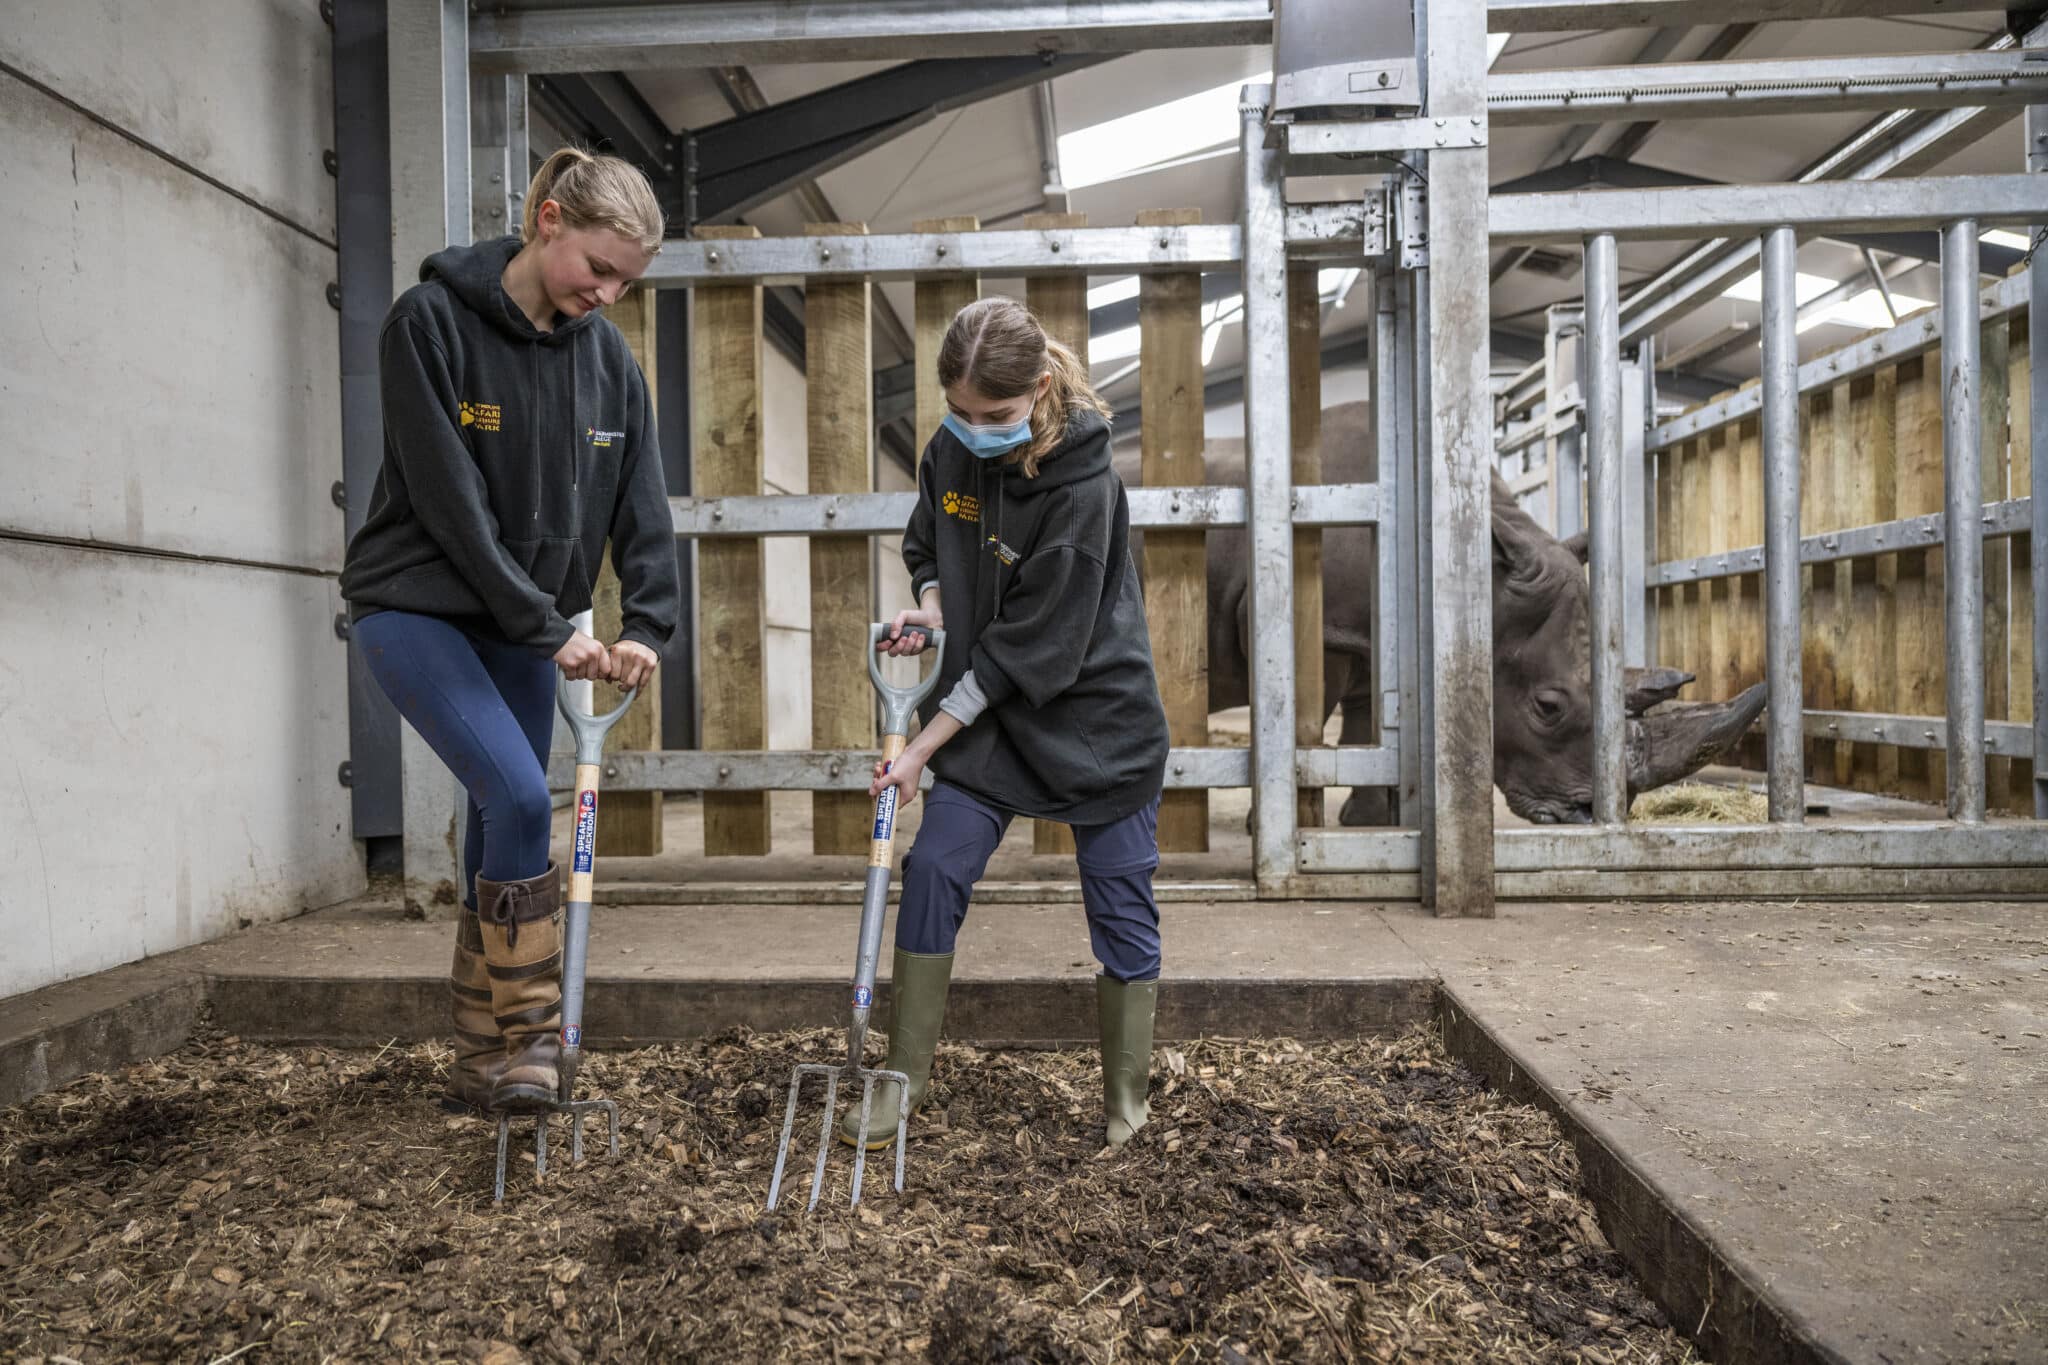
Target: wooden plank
1819, 619
1866, 680
1918, 647
1717, 643
629, 823
1305, 399
1747, 628
839, 425
725, 432
1994, 348
935, 300
1061, 303
1176, 562
2018, 796
1693, 518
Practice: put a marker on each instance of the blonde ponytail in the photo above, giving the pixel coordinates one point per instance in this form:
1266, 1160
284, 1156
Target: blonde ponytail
999, 347
594, 190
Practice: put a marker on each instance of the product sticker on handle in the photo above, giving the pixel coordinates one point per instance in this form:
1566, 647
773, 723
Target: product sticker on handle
586, 831
572, 1035
885, 814
863, 997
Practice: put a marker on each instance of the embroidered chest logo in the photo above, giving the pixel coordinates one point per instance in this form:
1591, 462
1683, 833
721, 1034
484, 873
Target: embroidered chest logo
482, 416
961, 505
601, 438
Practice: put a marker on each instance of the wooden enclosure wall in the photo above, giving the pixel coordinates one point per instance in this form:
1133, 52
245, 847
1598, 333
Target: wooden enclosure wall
1873, 627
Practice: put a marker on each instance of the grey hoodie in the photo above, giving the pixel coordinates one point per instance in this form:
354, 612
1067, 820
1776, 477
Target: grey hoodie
1041, 600
510, 456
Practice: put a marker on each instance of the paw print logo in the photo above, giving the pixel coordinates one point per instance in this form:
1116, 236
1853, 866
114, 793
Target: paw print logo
951, 502
468, 415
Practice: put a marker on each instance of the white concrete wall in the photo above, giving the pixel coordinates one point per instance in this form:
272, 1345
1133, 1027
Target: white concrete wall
172, 697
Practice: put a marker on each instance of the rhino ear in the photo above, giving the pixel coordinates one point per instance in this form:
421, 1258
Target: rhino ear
1578, 544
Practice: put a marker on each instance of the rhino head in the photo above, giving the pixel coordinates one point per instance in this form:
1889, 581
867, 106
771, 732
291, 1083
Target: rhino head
1542, 684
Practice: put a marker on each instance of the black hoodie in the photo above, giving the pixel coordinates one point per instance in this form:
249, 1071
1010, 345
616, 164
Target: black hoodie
510, 455
1041, 600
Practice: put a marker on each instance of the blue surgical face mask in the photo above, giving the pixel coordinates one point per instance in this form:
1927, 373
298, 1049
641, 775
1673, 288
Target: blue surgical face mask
987, 443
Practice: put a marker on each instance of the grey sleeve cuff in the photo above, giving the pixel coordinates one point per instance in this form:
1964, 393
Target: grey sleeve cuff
918, 590
966, 701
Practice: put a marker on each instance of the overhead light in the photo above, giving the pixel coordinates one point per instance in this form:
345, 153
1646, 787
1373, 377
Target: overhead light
1805, 289
1495, 42
2005, 237
1116, 291
1189, 128
1334, 282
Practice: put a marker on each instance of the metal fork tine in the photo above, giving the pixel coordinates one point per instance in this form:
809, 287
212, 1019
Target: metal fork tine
824, 1137
796, 1080
860, 1147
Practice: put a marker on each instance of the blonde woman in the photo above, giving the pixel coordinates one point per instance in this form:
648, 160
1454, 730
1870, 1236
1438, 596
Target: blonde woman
1019, 547
518, 439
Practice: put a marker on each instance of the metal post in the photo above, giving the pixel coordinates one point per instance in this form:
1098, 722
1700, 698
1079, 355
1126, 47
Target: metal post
1637, 513
1460, 464
2037, 459
1962, 481
1270, 529
362, 204
497, 154
430, 209
1401, 405
1784, 730
1602, 379
1395, 721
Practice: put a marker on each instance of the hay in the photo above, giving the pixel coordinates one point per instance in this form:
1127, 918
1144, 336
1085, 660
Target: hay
1692, 803
1356, 1201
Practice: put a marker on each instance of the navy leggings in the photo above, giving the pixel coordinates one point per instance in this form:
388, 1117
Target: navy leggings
487, 708
952, 851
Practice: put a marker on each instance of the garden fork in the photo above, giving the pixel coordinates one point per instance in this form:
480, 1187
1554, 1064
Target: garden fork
897, 704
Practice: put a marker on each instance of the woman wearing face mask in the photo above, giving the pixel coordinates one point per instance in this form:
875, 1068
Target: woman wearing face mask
518, 439
1047, 706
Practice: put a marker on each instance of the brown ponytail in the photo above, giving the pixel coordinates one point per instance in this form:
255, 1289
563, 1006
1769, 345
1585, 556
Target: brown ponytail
594, 191
1000, 348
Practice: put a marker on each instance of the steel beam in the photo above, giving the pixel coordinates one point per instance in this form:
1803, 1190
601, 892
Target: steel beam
1802, 85
1207, 507
850, 769
1998, 519
1872, 353
1603, 441
1558, 16
1267, 444
2035, 442
899, 256
1780, 439
1818, 209
2002, 738
1962, 470
659, 37
1458, 871
1889, 844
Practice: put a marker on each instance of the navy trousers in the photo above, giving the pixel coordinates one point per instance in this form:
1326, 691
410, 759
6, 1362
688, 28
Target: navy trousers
1116, 860
487, 708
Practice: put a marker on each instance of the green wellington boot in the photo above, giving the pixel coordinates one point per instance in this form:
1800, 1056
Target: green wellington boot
917, 1009
1124, 1010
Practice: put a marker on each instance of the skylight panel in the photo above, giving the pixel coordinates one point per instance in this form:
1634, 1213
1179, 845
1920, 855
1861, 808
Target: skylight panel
2007, 238
1866, 310
1806, 289
1203, 124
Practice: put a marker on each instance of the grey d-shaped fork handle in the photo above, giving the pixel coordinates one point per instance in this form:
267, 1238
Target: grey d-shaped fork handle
899, 702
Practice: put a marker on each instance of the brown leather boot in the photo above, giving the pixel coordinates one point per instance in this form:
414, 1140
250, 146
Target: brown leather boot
522, 933
479, 1050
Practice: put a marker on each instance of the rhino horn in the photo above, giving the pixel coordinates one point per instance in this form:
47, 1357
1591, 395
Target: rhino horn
1678, 742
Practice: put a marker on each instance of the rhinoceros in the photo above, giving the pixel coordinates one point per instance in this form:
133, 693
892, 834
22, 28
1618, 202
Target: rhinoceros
1542, 650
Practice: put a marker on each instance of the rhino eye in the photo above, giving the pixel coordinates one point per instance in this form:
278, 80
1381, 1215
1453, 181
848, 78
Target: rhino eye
1549, 704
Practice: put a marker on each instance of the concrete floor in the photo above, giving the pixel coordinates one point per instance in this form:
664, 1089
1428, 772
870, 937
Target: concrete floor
1819, 1132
